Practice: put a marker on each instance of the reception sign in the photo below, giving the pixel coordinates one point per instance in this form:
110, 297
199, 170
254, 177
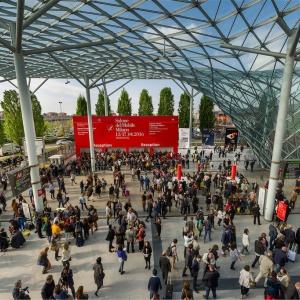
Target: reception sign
127, 132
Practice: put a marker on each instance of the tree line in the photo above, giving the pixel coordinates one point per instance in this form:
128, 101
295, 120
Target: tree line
165, 107
12, 128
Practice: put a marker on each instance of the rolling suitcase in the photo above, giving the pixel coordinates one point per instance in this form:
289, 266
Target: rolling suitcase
169, 288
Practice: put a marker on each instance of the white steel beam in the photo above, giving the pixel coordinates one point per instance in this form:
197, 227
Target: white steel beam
39, 13
66, 68
19, 25
104, 73
292, 51
287, 78
28, 122
7, 45
40, 86
90, 122
69, 47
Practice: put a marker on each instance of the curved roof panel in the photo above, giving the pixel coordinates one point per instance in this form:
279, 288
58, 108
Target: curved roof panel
178, 39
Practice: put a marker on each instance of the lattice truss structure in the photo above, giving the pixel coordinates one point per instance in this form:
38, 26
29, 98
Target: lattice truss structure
179, 39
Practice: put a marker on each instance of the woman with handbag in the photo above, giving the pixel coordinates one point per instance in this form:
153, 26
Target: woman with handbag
55, 245
67, 281
147, 251
44, 261
98, 274
187, 293
245, 279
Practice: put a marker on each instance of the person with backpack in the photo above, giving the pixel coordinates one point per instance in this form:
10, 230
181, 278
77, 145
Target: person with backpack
78, 226
207, 229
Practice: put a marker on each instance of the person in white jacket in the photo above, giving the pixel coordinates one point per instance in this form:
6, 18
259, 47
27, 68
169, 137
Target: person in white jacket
244, 281
245, 241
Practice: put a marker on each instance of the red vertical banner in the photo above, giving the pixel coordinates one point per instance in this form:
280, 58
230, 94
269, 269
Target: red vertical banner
281, 210
233, 172
179, 172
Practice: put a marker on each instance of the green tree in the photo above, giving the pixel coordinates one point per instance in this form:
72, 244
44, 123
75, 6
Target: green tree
13, 122
145, 104
206, 113
39, 123
124, 104
100, 107
81, 109
2, 134
184, 111
166, 102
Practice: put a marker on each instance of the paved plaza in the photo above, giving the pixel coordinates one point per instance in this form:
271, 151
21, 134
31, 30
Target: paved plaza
21, 263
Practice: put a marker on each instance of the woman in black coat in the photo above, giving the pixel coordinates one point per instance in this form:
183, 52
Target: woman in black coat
98, 274
48, 288
49, 230
66, 278
147, 251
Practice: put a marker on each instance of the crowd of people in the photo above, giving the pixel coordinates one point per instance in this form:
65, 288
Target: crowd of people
126, 231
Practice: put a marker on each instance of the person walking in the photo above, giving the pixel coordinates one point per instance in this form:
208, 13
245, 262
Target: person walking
210, 280
186, 292
207, 229
234, 255
67, 279
195, 270
165, 266
147, 251
273, 287
245, 242
244, 281
55, 245
129, 236
141, 236
154, 284
149, 209
82, 201
280, 258
48, 288
122, 258
266, 267
110, 237
173, 253
225, 241
259, 250
256, 214
98, 274
273, 233
188, 259
66, 255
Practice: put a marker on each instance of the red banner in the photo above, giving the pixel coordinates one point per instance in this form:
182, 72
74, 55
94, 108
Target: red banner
281, 210
127, 132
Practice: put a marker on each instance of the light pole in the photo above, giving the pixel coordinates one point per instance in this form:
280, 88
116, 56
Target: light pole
61, 120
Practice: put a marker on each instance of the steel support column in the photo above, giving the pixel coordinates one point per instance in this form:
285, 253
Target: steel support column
280, 129
105, 98
191, 118
28, 123
90, 122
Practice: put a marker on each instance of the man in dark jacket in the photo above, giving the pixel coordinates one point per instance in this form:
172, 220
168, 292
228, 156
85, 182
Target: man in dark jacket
195, 270
110, 237
289, 234
210, 280
225, 241
279, 258
256, 214
188, 259
273, 234
165, 266
258, 249
48, 288
154, 284
292, 291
